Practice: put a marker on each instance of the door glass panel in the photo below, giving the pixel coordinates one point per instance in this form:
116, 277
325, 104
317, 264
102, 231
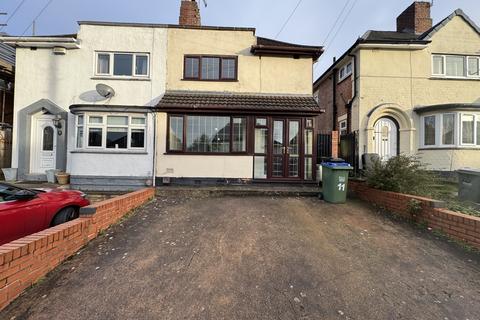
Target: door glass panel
277, 166
47, 139
309, 141
261, 139
293, 148
308, 169
260, 165
278, 143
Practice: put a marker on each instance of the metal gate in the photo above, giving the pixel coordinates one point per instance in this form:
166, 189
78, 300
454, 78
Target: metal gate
348, 149
324, 146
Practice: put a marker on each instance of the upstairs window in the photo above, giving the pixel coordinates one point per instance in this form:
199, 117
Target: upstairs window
456, 66
345, 71
210, 68
122, 64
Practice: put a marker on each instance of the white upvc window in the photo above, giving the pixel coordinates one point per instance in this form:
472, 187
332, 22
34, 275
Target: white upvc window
343, 127
456, 66
122, 64
453, 129
345, 71
111, 131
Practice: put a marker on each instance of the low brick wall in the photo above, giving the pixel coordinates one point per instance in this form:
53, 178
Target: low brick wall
456, 225
26, 260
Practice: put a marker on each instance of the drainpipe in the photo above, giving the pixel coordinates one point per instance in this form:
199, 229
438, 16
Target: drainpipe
154, 147
3, 105
355, 90
334, 100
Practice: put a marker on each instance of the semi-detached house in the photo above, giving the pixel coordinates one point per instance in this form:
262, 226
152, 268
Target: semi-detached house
414, 91
177, 103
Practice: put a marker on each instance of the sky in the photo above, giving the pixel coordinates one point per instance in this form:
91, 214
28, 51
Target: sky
311, 23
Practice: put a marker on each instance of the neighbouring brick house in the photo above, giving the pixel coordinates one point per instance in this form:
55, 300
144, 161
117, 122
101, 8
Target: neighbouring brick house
415, 90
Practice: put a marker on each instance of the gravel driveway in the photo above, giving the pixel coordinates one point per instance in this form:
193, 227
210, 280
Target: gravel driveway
196, 257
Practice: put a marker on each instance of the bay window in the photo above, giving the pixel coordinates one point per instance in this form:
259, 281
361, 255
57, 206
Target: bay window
429, 130
117, 132
454, 129
207, 134
468, 127
120, 64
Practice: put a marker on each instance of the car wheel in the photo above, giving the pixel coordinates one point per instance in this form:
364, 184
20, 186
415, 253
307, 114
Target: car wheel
65, 215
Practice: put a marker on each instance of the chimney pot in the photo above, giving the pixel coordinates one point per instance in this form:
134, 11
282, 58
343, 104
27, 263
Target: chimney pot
416, 18
189, 13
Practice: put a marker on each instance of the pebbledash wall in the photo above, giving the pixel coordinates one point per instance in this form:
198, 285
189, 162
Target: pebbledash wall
26, 260
392, 82
47, 80
456, 225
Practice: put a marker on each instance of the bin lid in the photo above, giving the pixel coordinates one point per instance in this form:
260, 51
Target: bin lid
337, 165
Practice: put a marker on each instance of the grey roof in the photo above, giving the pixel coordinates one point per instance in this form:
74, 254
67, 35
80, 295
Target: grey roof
162, 25
7, 53
448, 106
390, 36
457, 13
204, 101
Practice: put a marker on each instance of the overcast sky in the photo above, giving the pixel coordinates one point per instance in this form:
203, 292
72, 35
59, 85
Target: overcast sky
311, 23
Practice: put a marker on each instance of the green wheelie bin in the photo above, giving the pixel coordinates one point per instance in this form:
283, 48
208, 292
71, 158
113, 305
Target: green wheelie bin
335, 181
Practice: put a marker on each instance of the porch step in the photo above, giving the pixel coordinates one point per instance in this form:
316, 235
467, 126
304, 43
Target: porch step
245, 191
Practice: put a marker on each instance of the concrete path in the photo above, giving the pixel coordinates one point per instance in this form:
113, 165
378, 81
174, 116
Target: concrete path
194, 257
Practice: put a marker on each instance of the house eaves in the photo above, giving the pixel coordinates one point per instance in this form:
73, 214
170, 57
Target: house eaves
42, 42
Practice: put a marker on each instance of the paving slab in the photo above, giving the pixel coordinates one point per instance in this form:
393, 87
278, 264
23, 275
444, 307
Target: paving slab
192, 256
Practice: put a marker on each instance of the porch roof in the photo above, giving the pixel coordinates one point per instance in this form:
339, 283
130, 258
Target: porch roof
236, 102
448, 106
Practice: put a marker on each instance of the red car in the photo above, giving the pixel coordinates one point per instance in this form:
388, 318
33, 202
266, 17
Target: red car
26, 211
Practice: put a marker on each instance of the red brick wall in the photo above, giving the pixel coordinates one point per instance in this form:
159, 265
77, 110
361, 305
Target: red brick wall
325, 98
456, 225
416, 18
343, 95
189, 13
26, 260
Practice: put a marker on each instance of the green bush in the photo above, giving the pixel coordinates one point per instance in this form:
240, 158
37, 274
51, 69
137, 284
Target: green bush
404, 174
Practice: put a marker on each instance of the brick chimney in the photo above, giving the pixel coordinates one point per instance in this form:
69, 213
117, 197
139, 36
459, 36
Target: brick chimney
189, 13
416, 18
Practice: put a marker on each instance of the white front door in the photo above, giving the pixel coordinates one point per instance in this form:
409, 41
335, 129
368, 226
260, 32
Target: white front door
43, 144
386, 138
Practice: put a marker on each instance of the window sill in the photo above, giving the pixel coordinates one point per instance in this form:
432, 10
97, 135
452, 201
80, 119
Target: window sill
120, 78
213, 80
103, 151
454, 78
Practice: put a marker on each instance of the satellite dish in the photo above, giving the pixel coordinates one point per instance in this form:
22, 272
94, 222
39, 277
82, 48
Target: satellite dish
104, 90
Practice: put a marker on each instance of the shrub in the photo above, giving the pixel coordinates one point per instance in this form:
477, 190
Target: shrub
404, 174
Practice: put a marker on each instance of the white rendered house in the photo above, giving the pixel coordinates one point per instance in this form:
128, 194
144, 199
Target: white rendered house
62, 122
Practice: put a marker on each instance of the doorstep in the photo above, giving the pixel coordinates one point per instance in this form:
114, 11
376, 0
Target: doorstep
281, 190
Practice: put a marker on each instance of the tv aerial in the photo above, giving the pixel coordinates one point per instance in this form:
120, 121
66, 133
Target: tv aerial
104, 90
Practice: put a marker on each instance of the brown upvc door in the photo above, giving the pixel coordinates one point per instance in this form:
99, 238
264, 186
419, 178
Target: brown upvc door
286, 156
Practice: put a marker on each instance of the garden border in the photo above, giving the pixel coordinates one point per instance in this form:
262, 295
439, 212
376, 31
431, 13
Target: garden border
26, 260
456, 225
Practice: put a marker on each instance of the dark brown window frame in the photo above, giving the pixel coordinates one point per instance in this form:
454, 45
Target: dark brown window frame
199, 78
184, 140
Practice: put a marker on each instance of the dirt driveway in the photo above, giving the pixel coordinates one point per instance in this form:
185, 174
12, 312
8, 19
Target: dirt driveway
259, 258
